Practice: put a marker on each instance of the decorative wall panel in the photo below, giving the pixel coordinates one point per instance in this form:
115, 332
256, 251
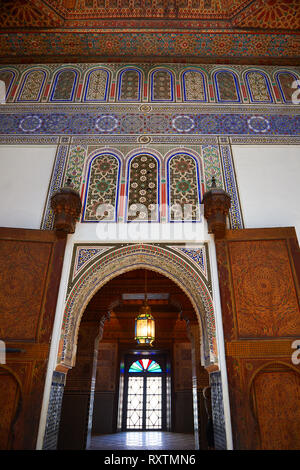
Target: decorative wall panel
193, 83
258, 343
182, 367
117, 82
107, 367
10, 395
264, 290
130, 83
30, 273
7, 76
227, 86
32, 86
97, 83
285, 81
64, 85
184, 188
102, 188
259, 88
218, 417
270, 389
143, 188
54, 411
162, 85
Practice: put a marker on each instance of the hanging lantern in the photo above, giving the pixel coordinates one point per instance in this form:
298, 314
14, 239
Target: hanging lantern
144, 322
145, 326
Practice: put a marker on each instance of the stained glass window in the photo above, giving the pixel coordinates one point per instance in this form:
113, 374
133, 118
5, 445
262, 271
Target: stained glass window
145, 365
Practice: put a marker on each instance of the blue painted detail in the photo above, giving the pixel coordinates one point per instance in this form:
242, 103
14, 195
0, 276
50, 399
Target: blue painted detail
91, 123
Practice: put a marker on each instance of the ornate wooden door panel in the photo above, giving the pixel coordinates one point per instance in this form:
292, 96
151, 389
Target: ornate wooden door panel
259, 288
276, 399
30, 271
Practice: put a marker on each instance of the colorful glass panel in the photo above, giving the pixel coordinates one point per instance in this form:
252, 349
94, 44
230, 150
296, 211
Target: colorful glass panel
145, 365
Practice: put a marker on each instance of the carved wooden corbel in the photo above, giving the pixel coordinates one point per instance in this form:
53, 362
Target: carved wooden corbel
66, 205
216, 208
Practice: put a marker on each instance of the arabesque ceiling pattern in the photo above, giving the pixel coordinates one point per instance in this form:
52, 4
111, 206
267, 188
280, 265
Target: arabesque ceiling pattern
241, 31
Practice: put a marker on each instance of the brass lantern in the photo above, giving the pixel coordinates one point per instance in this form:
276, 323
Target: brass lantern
145, 323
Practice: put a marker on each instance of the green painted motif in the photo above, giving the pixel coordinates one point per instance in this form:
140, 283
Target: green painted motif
75, 166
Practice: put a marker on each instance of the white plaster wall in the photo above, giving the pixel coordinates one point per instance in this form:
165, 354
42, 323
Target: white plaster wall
268, 179
25, 173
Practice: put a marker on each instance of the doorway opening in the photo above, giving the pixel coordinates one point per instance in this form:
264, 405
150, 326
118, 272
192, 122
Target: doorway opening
145, 400
119, 387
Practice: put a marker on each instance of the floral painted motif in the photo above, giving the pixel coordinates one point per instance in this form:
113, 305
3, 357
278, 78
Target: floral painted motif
32, 86
64, 86
212, 168
184, 194
193, 86
102, 189
143, 189
258, 87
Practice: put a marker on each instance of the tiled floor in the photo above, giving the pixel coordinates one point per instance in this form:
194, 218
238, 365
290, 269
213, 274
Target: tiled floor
135, 440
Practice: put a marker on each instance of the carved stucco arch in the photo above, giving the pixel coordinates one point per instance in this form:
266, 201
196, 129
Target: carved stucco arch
125, 258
